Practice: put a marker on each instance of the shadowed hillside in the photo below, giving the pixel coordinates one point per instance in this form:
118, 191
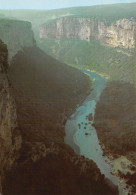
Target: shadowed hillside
118, 63
46, 93
50, 90
115, 118
16, 35
10, 137
116, 125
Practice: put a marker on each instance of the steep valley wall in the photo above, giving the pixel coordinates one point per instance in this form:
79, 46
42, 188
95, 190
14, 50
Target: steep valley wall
10, 137
116, 109
16, 35
33, 156
47, 165
122, 33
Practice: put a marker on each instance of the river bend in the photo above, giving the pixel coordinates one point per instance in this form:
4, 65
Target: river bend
81, 135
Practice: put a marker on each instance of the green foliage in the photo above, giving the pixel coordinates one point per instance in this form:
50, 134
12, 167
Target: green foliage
115, 118
50, 91
119, 64
46, 93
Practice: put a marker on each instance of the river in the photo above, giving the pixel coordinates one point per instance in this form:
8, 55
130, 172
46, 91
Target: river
81, 135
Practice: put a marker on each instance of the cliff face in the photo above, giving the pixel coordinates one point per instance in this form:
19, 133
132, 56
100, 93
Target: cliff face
119, 34
122, 33
68, 27
10, 139
16, 35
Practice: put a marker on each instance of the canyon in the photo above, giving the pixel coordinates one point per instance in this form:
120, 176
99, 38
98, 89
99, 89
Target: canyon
41, 93
112, 53
122, 33
32, 120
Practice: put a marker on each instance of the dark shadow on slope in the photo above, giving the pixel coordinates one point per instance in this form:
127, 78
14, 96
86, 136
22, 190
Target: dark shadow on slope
46, 93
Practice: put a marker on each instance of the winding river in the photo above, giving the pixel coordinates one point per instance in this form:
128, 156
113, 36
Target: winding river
81, 135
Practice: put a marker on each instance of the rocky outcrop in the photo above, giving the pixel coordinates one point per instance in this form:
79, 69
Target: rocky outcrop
122, 33
16, 35
10, 138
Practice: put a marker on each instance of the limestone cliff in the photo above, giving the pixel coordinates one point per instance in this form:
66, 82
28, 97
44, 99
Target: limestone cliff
16, 35
122, 33
10, 138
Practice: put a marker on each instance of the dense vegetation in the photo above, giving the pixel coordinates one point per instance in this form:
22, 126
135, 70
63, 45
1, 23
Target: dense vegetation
118, 63
57, 174
46, 93
49, 87
115, 119
116, 125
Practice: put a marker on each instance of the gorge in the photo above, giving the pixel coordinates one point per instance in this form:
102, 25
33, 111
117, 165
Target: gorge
33, 115
39, 93
122, 33
108, 49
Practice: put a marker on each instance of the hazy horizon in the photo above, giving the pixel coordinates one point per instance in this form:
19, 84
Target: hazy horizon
52, 4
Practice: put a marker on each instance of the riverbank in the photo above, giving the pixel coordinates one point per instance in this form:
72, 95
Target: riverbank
122, 168
80, 132
46, 93
69, 133
115, 125
99, 73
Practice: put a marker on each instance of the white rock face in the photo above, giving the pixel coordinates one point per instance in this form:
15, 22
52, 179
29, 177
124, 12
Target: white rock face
67, 27
122, 33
